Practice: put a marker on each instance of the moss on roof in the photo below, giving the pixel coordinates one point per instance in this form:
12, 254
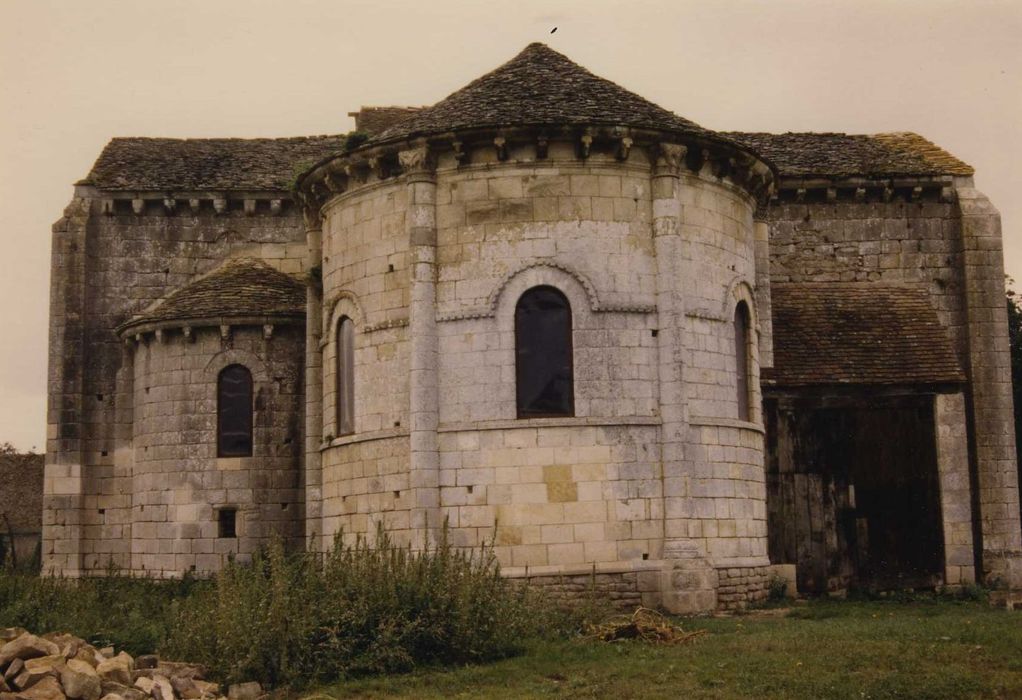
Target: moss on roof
848, 155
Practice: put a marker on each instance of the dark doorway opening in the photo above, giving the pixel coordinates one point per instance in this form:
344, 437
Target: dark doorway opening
853, 497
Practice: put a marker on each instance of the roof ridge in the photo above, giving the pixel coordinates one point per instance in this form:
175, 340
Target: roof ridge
539, 86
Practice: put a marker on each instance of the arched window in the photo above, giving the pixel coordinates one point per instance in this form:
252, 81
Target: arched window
345, 376
742, 360
234, 412
543, 355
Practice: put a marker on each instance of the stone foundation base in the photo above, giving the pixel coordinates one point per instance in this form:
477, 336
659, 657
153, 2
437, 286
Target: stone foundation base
738, 587
684, 585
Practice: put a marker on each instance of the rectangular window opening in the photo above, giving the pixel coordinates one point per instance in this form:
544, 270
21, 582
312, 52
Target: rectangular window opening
227, 523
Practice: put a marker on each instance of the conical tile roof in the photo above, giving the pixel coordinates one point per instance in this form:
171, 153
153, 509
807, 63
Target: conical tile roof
540, 87
240, 288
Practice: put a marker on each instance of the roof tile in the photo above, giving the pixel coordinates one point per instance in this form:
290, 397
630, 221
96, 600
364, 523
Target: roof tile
540, 87
207, 164
239, 288
847, 155
841, 334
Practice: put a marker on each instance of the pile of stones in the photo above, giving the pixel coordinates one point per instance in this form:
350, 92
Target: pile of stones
60, 666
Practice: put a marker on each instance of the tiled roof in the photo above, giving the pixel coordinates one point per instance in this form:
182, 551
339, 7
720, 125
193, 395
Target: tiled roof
374, 120
842, 334
540, 86
240, 288
207, 164
846, 155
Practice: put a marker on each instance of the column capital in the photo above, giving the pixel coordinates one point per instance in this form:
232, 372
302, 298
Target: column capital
668, 159
417, 162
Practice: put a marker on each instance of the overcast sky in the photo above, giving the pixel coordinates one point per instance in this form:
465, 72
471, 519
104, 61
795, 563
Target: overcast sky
73, 74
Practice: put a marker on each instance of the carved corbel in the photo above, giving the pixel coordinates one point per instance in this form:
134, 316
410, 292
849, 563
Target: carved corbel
159, 336
460, 156
267, 331
624, 147
334, 183
310, 213
220, 205
726, 167
194, 204
917, 193
860, 194
831, 194
187, 331
669, 158
947, 193
500, 143
275, 206
138, 206
107, 207
585, 145
800, 194
225, 331
170, 204
250, 207
357, 171
888, 193
542, 146
378, 167
696, 160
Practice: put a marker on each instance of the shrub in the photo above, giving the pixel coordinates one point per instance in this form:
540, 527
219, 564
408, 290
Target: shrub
301, 618
131, 613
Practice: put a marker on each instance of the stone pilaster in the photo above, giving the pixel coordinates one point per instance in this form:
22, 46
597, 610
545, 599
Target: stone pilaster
313, 485
764, 308
424, 462
687, 584
990, 399
63, 481
955, 502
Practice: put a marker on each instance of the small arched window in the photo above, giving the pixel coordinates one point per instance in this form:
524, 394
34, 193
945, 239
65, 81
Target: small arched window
345, 376
742, 360
234, 412
543, 354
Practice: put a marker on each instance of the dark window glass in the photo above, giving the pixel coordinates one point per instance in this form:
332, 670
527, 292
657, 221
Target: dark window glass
543, 361
227, 522
742, 359
234, 412
345, 377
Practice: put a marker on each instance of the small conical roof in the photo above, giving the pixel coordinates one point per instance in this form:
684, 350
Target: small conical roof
540, 87
239, 288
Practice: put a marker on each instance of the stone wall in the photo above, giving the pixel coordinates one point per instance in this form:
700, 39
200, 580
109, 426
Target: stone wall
895, 242
740, 586
552, 492
21, 503
109, 263
948, 243
555, 495
178, 482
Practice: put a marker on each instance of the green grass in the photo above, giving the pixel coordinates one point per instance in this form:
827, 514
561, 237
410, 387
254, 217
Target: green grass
826, 649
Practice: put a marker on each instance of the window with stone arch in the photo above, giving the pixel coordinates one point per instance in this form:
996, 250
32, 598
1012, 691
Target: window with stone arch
544, 367
345, 376
234, 412
743, 360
